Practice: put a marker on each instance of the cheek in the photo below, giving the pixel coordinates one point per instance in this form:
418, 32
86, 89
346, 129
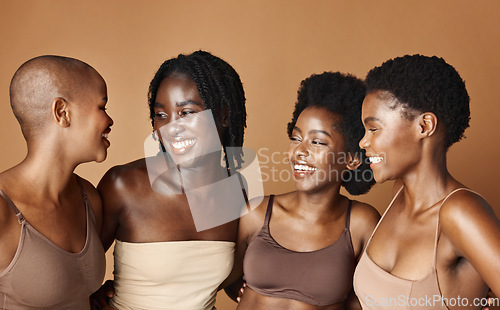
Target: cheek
290, 150
334, 160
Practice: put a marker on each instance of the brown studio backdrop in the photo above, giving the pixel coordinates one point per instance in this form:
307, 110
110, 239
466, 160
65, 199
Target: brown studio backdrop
273, 45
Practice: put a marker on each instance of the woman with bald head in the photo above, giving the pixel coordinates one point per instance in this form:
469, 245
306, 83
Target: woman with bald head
50, 253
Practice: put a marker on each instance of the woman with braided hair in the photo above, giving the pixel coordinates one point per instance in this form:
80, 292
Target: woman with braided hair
167, 256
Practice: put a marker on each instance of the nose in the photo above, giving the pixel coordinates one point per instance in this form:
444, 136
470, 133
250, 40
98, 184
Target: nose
301, 150
364, 143
111, 122
174, 127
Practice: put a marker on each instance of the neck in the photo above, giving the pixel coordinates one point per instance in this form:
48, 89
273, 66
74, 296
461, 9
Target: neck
427, 184
209, 172
45, 171
317, 204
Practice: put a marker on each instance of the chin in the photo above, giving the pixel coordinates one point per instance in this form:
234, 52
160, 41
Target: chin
101, 158
307, 187
379, 180
185, 163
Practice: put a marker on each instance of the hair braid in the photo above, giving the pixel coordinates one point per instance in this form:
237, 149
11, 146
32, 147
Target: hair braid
221, 90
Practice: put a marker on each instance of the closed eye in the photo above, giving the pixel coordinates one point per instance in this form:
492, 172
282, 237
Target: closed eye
318, 143
294, 139
187, 112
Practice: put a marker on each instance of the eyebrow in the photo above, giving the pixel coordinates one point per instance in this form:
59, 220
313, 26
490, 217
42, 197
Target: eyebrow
186, 102
320, 131
313, 131
371, 119
179, 104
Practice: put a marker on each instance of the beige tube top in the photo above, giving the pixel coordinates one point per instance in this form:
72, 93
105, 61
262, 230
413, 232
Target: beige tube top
170, 275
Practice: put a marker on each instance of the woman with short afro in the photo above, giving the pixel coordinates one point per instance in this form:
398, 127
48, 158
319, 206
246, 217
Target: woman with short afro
298, 250
438, 243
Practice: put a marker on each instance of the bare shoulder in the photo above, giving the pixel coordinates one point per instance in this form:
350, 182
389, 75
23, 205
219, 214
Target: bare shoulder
9, 231
465, 207
7, 215
125, 175
124, 180
122, 186
364, 219
250, 223
364, 214
92, 194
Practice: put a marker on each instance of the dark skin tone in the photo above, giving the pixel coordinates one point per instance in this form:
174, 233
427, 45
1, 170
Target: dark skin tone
129, 201
403, 245
312, 217
43, 186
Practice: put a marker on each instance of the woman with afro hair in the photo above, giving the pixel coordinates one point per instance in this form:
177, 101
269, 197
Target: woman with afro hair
298, 250
438, 243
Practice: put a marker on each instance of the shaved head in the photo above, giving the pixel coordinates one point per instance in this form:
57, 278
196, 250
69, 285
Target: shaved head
38, 82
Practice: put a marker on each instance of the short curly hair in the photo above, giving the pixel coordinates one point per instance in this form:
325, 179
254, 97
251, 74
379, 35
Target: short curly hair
220, 88
425, 84
341, 94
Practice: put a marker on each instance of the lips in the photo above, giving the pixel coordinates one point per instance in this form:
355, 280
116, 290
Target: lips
181, 146
105, 136
375, 160
302, 169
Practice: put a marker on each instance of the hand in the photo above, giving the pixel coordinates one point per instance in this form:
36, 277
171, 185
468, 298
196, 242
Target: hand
100, 299
241, 291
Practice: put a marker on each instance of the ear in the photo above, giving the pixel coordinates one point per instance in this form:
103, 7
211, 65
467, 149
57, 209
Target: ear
427, 124
353, 162
60, 112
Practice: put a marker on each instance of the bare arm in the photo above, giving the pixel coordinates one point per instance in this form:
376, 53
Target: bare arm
364, 218
111, 190
112, 193
470, 224
249, 226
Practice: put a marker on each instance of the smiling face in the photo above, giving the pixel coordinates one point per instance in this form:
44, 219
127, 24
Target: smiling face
92, 122
317, 150
391, 140
186, 129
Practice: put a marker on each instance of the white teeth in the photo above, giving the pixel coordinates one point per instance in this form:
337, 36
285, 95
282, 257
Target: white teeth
304, 168
375, 159
104, 135
183, 144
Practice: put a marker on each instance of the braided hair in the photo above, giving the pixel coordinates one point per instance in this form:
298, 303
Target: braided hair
221, 90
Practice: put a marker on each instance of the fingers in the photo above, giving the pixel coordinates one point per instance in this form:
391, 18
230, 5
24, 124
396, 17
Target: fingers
100, 299
241, 291
109, 288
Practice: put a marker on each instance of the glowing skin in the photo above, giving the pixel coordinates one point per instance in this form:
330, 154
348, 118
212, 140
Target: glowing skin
388, 135
314, 150
91, 121
187, 134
